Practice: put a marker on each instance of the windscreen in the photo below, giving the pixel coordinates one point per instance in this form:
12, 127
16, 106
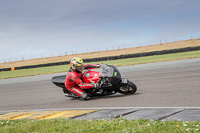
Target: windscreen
107, 71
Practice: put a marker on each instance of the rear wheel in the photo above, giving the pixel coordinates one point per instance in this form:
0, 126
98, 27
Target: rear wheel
128, 89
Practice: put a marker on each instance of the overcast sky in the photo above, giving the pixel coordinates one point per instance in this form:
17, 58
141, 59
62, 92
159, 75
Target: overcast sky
40, 28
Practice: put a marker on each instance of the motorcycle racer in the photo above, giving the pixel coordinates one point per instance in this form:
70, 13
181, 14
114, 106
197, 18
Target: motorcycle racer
73, 81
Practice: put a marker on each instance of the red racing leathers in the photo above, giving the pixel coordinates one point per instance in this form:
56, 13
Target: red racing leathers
74, 83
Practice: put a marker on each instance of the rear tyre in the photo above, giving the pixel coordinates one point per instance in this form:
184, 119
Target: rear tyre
65, 90
128, 89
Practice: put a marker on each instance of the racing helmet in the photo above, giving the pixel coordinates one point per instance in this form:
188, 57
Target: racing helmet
77, 64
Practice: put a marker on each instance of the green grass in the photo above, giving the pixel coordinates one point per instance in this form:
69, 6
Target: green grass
120, 62
97, 126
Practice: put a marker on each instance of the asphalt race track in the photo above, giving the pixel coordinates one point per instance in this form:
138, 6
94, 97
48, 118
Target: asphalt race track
165, 84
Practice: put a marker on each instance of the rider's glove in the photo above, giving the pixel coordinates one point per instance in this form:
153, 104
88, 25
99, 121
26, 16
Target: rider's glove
96, 85
98, 65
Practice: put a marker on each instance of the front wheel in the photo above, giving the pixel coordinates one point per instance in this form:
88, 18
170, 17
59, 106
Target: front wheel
127, 89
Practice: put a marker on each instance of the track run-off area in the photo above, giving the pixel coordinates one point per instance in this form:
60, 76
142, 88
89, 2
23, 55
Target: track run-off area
172, 86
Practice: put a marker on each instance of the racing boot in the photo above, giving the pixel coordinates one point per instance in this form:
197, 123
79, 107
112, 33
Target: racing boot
71, 95
85, 96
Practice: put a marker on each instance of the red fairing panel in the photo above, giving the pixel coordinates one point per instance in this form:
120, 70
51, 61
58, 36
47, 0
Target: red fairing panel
91, 77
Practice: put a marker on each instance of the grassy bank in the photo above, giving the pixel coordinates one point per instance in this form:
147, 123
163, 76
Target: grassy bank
98, 126
120, 62
116, 52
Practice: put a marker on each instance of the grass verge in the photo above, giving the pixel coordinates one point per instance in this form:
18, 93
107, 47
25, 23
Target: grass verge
120, 62
97, 126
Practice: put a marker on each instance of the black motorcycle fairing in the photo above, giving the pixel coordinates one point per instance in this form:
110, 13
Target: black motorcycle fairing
110, 77
110, 71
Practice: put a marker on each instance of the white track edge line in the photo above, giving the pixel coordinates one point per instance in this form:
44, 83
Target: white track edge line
102, 108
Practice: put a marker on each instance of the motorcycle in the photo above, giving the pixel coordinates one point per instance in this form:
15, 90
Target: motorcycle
109, 79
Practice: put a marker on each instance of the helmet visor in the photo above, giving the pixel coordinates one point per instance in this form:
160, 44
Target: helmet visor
80, 68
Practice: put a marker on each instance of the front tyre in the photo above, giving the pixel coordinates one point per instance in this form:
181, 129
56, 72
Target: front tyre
128, 89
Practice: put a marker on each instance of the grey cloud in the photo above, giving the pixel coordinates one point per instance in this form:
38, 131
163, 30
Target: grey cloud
46, 26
